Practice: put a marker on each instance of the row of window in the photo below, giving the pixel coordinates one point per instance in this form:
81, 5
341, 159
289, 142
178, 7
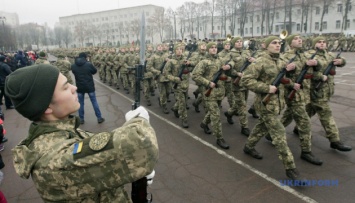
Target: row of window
104, 18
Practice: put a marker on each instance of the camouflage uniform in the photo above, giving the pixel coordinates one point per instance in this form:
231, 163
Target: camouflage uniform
42, 60
109, 67
341, 42
123, 70
95, 172
148, 83
64, 67
102, 71
319, 99
296, 108
203, 74
257, 78
171, 71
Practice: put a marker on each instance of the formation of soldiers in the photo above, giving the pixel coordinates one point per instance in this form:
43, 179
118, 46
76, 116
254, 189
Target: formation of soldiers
233, 72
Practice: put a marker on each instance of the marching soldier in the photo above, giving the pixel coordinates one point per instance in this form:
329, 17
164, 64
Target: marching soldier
204, 74
64, 67
258, 78
42, 58
320, 96
171, 71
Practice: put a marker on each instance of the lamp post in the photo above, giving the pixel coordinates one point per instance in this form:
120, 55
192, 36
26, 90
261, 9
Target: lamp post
3, 19
174, 13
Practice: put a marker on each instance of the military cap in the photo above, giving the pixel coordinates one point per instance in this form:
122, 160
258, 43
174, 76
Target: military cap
268, 40
31, 89
315, 40
290, 38
210, 44
234, 40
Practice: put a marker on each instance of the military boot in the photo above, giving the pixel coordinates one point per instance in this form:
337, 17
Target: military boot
197, 108
184, 123
295, 131
245, 131
195, 94
253, 113
221, 143
252, 152
205, 128
308, 156
149, 103
268, 138
165, 110
159, 101
229, 118
295, 175
340, 146
176, 112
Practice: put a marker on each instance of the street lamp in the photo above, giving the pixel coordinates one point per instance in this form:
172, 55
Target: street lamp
3, 19
174, 13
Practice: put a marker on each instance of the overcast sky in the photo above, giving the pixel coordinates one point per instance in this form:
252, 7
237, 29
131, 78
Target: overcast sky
41, 11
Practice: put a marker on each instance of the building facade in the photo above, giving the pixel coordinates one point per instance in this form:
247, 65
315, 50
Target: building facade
109, 28
10, 19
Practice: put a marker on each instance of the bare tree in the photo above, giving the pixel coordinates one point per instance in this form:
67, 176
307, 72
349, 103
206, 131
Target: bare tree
324, 11
67, 36
80, 32
58, 31
159, 19
346, 10
181, 11
243, 11
211, 7
271, 18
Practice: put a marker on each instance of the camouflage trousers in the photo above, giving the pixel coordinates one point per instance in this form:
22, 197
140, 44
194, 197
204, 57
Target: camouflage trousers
271, 124
114, 79
180, 104
147, 88
213, 116
200, 91
239, 107
102, 73
298, 113
164, 92
108, 74
229, 93
124, 78
325, 117
132, 81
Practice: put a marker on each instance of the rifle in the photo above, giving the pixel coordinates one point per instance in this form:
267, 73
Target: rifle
163, 64
277, 81
327, 71
300, 77
139, 192
216, 78
182, 68
242, 69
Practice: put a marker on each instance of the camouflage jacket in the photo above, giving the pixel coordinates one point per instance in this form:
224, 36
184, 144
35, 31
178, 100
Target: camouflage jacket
154, 65
203, 74
327, 90
171, 71
68, 164
64, 67
259, 76
41, 60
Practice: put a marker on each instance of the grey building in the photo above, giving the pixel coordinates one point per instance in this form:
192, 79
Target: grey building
10, 19
112, 27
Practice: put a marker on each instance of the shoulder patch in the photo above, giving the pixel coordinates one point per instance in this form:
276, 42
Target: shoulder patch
93, 145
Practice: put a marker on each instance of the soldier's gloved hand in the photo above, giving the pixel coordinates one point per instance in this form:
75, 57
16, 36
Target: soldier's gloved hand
150, 177
177, 80
138, 112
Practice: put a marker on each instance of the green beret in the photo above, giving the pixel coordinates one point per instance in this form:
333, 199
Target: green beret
268, 40
31, 89
42, 54
289, 39
226, 42
178, 45
315, 40
234, 40
210, 44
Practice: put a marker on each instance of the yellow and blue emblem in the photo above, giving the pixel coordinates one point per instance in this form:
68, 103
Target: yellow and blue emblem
77, 147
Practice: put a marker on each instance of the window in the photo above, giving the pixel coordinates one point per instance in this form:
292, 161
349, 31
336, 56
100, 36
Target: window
326, 9
316, 26
106, 18
238, 20
251, 30
277, 28
258, 18
251, 18
298, 27
218, 27
347, 23
200, 28
238, 31
340, 8
324, 25
337, 24
349, 7
317, 10
277, 15
103, 19
298, 11
246, 30
246, 19
258, 30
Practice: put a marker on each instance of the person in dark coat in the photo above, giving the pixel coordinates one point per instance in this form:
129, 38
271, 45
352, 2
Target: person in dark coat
21, 59
83, 71
5, 70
